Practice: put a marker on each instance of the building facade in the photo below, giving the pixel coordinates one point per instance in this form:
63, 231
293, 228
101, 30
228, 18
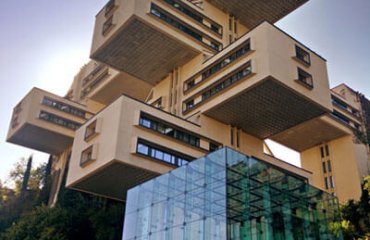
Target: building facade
171, 81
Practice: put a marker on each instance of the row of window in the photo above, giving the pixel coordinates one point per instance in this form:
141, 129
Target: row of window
220, 64
169, 131
222, 85
341, 104
329, 182
59, 120
227, 82
326, 166
95, 83
63, 107
91, 75
341, 117
163, 15
324, 151
194, 15
161, 155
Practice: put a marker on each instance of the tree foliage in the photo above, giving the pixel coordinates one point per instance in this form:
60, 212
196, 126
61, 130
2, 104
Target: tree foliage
356, 215
75, 216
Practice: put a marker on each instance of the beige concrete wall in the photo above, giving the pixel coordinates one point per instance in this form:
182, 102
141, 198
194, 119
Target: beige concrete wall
126, 9
31, 106
117, 139
347, 95
119, 132
347, 176
273, 55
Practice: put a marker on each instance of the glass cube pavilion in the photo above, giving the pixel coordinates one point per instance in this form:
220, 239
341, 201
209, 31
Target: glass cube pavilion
228, 196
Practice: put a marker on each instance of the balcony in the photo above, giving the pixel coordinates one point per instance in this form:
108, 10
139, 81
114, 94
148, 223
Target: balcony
45, 122
104, 84
252, 13
148, 39
257, 84
128, 143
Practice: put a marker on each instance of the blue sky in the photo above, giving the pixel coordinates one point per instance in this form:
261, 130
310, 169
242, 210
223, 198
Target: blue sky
45, 42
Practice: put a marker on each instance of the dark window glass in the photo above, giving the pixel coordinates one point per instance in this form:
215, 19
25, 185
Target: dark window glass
340, 117
163, 15
326, 150
193, 14
323, 167
322, 152
339, 103
329, 166
90, 130
213, 147
190, 104
165, 129
59, 120
303, 55
161, 155
63, 107
224, 83
305, 78
326, 183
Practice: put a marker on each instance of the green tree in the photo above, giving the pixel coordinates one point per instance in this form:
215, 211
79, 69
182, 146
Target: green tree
76, 216
26, 178
356, 215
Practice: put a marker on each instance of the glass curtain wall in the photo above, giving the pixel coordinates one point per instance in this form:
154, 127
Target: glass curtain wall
228, 196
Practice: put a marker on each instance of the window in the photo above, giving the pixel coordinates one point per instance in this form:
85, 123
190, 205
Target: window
225, 83
107, 25
168, 130
232, 136
213, 147
219, 65
322, 152
190, 84
326, 150
96, 82
302, 55
194, 15
109, 7
329, 165
305, 78
221, 85
90, 130
197, 35
58, 120
63, 107
86, 156
189, 104
340, 117
159, 153
326, 183
339, 103
324, 167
